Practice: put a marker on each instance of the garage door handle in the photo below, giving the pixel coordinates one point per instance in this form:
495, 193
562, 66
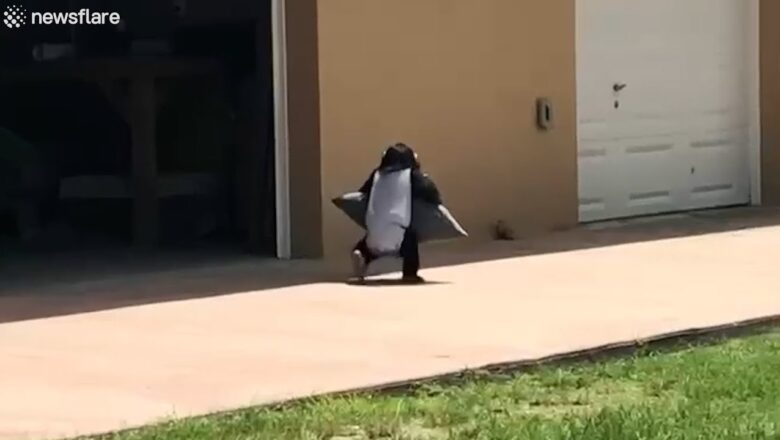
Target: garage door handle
619, 86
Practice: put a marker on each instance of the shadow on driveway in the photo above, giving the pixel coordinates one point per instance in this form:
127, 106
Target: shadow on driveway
90, 282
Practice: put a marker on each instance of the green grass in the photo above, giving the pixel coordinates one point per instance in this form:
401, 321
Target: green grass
728, 391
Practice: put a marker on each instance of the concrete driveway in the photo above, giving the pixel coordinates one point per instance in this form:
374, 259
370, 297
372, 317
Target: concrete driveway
92, 357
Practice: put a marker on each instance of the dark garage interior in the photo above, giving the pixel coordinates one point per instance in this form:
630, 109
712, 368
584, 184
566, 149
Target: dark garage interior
156, 133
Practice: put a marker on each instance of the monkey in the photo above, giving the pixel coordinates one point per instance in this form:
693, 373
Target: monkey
390, 189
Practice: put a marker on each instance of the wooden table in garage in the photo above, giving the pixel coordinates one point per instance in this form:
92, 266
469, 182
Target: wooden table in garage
141, 73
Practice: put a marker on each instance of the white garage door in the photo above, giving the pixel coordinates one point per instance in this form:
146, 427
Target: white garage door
663, 105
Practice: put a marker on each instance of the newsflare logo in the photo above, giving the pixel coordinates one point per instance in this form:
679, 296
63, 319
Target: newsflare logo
16, 16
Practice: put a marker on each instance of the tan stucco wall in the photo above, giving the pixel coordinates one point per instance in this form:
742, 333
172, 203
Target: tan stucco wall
770, 101
458, 80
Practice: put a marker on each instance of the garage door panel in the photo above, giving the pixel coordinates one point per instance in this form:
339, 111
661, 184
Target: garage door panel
726, 194
643, 125
596, 195
594, 117
677, 131
722, 108
715, 165
593, 129
718, 144
718, 81
716, 120
718, 165
647, 167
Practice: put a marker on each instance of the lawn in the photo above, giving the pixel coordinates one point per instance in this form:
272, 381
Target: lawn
726, 391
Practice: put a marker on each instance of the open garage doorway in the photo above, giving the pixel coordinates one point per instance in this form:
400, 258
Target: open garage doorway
155, 131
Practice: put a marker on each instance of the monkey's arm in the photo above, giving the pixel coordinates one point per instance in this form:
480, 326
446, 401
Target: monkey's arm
424, 189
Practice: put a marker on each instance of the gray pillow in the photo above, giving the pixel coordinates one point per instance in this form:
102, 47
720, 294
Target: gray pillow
432, 223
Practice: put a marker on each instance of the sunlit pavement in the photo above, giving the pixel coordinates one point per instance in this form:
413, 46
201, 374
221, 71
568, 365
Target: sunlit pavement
137, 364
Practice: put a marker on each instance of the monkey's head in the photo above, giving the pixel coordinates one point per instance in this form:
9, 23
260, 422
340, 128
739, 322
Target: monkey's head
399, 157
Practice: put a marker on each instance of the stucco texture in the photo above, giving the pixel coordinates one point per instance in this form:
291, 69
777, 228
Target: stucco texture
457, 80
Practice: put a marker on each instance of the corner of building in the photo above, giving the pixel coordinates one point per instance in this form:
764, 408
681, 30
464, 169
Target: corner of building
770, 101
303, 95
